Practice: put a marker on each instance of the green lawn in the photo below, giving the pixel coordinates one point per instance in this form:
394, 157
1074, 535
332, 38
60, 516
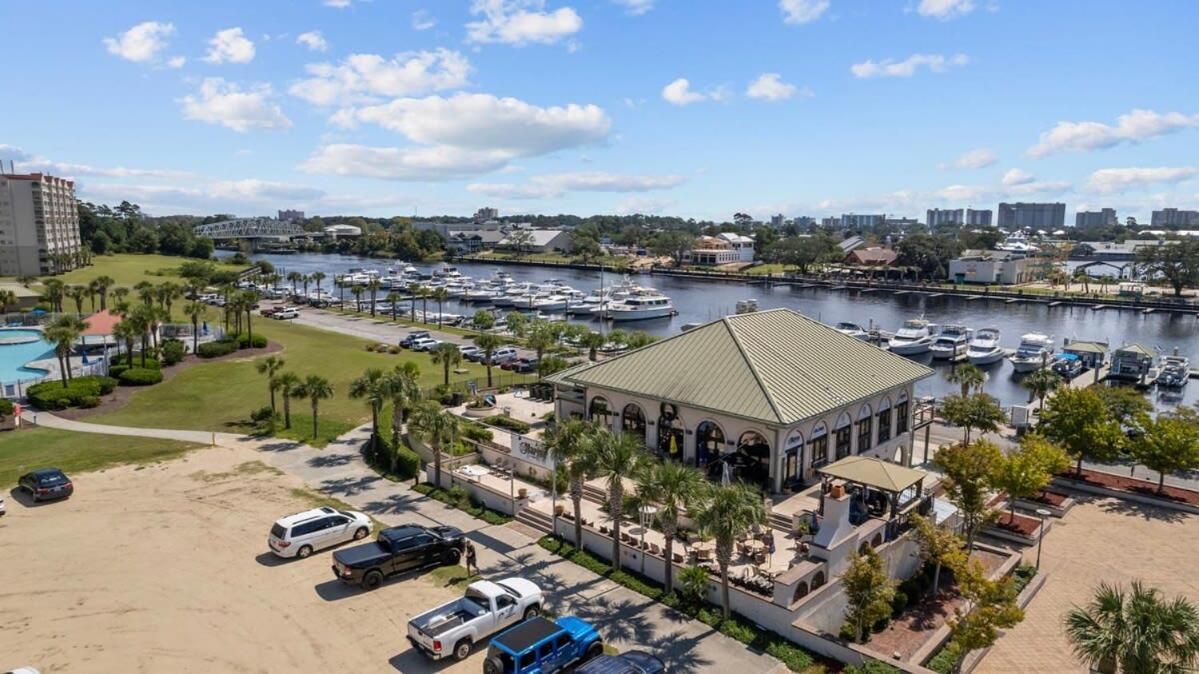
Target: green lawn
220, 396
128, 269
25, 450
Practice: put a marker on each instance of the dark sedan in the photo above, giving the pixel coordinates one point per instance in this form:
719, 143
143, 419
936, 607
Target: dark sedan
45, 484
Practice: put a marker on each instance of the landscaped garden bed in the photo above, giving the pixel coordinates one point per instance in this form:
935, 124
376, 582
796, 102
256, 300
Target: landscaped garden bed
1018, 529
1129, 485
1056, 503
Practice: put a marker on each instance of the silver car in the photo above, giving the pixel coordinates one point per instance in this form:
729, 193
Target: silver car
302, 534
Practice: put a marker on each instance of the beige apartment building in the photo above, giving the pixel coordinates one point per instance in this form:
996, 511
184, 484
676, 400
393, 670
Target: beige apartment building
38, 220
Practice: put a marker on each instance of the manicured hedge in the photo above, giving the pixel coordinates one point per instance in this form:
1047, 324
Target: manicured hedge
6, 408
462, 502
51, 395
243, 341
476, 432
216, 349
172, 351
117, 368
507, 422
140, 376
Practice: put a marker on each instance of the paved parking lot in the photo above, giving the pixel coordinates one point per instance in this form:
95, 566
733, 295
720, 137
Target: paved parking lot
1101, 539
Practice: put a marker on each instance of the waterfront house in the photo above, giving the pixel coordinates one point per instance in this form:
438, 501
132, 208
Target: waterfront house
873, 256
1132, 362
541, 241
462, 241
1111, 251
1092, 354
768, 397
990, 266
724, 248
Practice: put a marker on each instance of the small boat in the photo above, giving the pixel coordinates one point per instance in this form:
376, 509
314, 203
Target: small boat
1067, 365
951, 343
747, 306
1034, 352
984, 349
1175, 371
853, 330
914, 338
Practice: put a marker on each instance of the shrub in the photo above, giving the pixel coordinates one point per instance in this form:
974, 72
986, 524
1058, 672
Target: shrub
116, 369
216, 349
261, 414
946, 659
393, 349
847, 633
107, 384
244, 342
52, 395
6, 408
507, 422
476, 432
172, 351
369, 347
140, 376
871, 666
89, 401
899, 602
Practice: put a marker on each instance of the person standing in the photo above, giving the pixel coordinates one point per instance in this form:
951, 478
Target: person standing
471, 559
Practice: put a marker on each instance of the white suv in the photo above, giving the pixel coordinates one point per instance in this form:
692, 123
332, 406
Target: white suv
300, 534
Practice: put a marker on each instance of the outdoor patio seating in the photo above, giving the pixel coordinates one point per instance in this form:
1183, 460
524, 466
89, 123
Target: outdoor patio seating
678, 558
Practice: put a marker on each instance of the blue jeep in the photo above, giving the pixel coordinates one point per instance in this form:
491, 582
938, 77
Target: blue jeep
539, 646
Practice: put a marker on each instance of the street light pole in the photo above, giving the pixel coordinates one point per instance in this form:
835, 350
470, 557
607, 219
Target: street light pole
1044, 514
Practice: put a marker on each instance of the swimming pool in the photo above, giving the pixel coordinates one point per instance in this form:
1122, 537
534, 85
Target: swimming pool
14, 356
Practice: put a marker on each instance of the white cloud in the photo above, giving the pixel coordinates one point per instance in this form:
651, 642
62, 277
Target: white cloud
975, 159
253, 189
520, 22
963, 193
225, 103
28, 162
141, 43
555, 185
1133, 127
679, 92
338, 4
365, 77
1120, 179
463, 135
771, 87
176, 62
936, 63
1017, 177
944, 10
313, 40
422, 20
802, 11
230, 46
636, 7
644, 205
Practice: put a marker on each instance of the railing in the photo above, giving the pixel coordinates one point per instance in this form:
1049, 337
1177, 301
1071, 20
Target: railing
14, 390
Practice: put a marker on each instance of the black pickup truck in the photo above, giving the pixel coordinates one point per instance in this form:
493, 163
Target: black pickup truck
398, 549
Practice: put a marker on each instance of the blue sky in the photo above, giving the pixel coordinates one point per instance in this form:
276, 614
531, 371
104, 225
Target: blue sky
805, 107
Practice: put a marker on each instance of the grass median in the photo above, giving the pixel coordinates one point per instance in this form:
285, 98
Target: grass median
73, 452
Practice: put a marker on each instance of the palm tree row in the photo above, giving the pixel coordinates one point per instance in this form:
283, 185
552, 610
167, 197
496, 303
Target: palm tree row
313, 387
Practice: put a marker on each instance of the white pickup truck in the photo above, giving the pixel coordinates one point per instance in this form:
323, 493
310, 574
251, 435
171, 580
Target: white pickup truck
486, 608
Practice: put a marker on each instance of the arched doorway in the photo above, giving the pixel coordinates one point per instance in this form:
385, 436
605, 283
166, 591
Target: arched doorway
884, 421
865, 429
793, 457
818, 445
901, 414
709, 443
670, 432
600, 411
842, 436
756, 449
632, 420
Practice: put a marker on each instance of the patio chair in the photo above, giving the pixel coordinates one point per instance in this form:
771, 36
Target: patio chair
603, 528
678, 558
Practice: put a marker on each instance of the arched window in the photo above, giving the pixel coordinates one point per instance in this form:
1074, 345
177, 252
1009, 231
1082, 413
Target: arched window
670, 432
709, 443
793, 456
865, 429
757, 449
841, 437
884, 421
632, 420
599, 410
818, 444
876, 541
901, 414
801, 591
818, 580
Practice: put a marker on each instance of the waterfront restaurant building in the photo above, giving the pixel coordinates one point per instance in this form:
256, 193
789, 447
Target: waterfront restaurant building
767, 397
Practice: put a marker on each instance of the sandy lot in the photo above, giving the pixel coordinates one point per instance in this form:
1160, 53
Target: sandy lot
165, 569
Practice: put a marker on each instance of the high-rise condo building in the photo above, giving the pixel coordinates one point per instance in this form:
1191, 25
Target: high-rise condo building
39, 224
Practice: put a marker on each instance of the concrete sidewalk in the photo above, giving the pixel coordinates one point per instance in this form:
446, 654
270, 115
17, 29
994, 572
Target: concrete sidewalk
625, 618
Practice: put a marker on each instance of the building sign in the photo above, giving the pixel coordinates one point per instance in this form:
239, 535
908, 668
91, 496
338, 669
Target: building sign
531, 450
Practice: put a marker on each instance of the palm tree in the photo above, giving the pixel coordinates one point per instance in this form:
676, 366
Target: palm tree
969, 376
592, 341
447, 355
374, 286
615, 458
540, 338
441, 295
53, 292
77, 295
288, 384
249, 299
316, 388
7, 298
357, 291
145, 292
372, 387
126, 332
103, 283
403, 391
318, 276
438, 428
567, 443
304, 279
294, 277
674, 487
270, 366
393, 298
143, 319
119, 294
1136, 633
424, 305
488, 342
1040, 383
729, 513
63, 332
195, 311
167, 294
413, 291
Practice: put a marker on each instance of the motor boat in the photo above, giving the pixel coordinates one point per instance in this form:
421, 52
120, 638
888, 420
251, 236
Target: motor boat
1034, 352
1016, 243
1067, 365
550, 303
638, 307
984, 349
483, 294
914, 338
1175, 371
747, 306
952, 342
853, 330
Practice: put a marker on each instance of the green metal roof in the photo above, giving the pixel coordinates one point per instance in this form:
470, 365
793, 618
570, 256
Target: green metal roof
1086, 347
874, 472
776, 366
1137, 348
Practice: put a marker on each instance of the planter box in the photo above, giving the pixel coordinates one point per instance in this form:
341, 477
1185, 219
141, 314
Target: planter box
1010, 534
1056, 510
1135, 496
478, 412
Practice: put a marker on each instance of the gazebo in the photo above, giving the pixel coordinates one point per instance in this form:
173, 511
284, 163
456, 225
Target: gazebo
884, 489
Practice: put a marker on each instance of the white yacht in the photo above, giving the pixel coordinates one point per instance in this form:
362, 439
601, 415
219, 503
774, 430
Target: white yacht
984, 349
914, 338
853, 330
1017, 243
550, 303
952, 342
639, 307
1035, 351
1175, 371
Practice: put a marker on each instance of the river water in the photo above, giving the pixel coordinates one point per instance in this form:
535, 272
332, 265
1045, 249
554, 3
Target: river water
699, 301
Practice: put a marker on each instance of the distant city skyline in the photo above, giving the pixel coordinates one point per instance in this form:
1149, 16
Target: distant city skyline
700, 109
